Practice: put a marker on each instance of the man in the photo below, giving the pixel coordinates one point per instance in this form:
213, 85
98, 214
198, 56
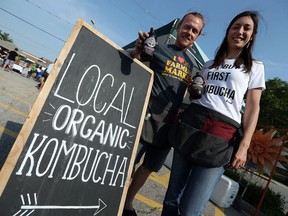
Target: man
12, 55
172, 74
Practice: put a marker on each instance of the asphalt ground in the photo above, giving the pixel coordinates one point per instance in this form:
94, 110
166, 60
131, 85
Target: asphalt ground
18, 95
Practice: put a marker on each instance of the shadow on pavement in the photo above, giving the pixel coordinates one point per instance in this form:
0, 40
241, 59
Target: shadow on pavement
7, 141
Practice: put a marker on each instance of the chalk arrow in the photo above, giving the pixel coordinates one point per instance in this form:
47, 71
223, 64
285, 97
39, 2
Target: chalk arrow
101, 205
29, 208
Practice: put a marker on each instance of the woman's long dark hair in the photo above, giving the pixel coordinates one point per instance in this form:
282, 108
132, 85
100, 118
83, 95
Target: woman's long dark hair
245, 56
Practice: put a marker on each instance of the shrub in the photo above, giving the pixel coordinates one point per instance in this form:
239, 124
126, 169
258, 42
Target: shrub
273, 203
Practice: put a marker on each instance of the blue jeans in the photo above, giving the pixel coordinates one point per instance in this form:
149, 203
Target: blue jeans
190, 187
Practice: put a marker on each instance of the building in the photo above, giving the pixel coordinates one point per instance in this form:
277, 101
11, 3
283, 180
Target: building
25, 59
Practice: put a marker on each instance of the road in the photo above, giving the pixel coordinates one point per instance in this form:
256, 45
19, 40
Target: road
18, 95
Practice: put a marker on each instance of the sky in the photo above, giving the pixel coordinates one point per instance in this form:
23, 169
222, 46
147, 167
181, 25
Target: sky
41, 27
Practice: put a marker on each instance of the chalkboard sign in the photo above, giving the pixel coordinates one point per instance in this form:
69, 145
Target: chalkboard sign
80, 139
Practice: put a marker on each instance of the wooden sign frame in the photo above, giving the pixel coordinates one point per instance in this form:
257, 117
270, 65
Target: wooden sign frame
20, 161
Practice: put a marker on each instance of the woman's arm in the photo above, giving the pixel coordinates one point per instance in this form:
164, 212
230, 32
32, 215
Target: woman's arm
250, 119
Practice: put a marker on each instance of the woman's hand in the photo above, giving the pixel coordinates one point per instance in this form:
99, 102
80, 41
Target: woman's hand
240, 157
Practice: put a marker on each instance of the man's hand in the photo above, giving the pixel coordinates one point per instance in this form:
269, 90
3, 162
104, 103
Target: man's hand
139, 44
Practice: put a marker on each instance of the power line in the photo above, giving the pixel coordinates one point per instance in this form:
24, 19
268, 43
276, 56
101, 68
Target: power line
32, 25
147, 12
34, 43
120, 9
49, 12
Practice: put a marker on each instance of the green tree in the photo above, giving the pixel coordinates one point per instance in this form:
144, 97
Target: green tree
5, 36
274, 104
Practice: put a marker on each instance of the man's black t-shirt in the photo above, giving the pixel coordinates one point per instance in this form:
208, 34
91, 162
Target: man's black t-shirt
12, 55
172, 69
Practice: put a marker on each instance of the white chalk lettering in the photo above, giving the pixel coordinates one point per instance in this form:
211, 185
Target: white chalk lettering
60, 83
80, 83
93, 165
29, 155
79, 162
117, 103
97, 105
73, 122
56, 117
89, 130
96, 167
44, 153
90, 125
122, 173
63, 149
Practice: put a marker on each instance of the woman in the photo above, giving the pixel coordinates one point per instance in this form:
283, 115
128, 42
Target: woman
214, 119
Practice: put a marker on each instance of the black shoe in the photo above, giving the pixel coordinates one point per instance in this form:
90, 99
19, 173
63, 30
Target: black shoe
127, 212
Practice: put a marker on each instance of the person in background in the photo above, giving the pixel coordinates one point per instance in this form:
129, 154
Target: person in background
43, 79
217, 114
2, 53
32, 70
11, 58
39, 74
167, 95
25, 71
2, 57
